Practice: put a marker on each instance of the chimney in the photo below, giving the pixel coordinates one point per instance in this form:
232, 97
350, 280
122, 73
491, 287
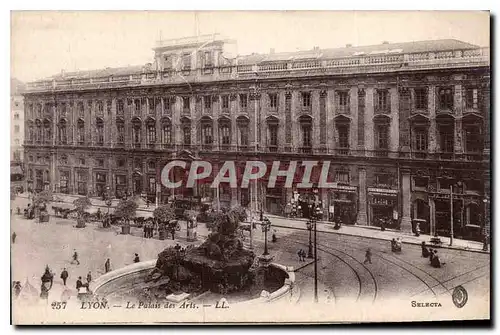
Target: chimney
385, 42
348, 45
63, 72
271, 51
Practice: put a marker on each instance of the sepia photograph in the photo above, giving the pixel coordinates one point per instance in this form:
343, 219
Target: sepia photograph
249, 167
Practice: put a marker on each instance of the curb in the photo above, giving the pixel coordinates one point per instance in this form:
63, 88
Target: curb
387, 239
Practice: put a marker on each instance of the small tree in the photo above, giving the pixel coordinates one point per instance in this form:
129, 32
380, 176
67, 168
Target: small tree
43, 198
164, 214
126, 210
81, 205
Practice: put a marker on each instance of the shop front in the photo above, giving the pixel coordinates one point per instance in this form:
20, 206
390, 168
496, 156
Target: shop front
120, 185
383, 207
100, 183
275, 200
342, 202
64, 181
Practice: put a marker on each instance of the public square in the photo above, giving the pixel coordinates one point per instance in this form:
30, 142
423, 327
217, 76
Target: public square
342, 275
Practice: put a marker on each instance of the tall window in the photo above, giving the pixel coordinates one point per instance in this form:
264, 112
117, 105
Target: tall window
343, 100
243, 100
100, 107
342, 177
136, 134
225, 101
421, 139
16, 116
63, 137
273, 100
471, 95
421, 98
382, 136
166, 105
306, 135
473, 140
445, 98
80, 109
80, 132
207, 102
185, 104
166, 134
120, 132
243, 135
137, 104
207, 134
152, 185
108, 107
273, 135
225, 135
120, 107
16, 129
186, 62
207, 59
100, 131
343, 131
186, 132
383, 100
383, 179
152, 105
306, 99
151, 133
446, 138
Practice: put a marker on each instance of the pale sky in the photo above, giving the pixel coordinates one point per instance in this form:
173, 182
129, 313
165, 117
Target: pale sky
44, 43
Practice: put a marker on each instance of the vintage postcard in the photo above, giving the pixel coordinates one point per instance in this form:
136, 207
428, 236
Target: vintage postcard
250, 167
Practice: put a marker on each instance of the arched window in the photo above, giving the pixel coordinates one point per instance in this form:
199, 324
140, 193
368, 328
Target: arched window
120, 131
224, 131
99, 127
207, 131
151, 131
166, 132
38, 134
186, 131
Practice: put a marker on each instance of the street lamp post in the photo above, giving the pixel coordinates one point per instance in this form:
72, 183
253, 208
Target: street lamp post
318, 213
486, 202
108, 204
266, 224
310, 227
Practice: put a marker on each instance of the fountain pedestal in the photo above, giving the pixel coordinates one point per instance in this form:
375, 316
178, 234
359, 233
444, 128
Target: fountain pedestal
265, 260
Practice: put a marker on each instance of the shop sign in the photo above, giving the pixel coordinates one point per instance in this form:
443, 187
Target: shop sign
382, 191
345, 188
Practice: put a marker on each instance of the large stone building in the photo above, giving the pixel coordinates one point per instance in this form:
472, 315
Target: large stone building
401, 124
17, 121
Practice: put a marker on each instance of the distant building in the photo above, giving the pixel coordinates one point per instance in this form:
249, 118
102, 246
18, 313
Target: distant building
401, 124
17, 121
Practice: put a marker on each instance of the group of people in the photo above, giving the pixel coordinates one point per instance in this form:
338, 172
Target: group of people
148, 229
430, 253
302, 255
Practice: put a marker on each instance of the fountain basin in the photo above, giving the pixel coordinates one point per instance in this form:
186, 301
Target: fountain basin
117, 284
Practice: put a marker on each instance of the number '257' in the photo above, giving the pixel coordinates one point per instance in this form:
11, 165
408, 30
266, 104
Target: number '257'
58, 305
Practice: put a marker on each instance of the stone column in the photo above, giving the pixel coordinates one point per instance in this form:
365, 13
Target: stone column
295, 124
369, 134
72, 180
432, 216
330, 121
234, 197
431, 102
53, 169
362, 217
406, 225
315, 133
176, 120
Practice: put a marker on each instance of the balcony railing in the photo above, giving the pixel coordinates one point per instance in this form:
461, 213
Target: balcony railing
322, 66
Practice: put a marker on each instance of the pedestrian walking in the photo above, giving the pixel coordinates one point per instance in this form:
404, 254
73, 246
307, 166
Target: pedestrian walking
136, 258
64, 276
89, 277
145, 230
107, 266
75, 258
431, 254
14, 235
299, 253
368, 256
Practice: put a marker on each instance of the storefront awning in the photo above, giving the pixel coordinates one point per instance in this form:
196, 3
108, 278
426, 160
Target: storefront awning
349, 189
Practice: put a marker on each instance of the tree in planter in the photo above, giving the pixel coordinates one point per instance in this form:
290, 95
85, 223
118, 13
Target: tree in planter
81, 205
164, 215
40, 202
126, 210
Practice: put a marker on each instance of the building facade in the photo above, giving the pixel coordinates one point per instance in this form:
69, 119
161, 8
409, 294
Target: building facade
17, 122
405, 127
